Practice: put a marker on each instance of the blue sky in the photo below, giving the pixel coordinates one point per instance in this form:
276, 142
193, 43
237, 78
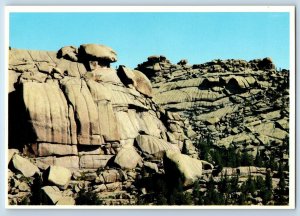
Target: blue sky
198, 37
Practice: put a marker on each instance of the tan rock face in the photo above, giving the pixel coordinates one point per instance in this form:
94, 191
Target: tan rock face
68, 52
77, 113
154, 146
231, 102
66, 201
127, 157
23, 165
98, 52
59, 176
182, 166
11, 153
51, 195
139, 80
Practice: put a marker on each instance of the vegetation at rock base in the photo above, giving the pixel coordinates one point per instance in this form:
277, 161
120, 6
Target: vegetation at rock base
87, 198
165, 134
224, 191
231, 157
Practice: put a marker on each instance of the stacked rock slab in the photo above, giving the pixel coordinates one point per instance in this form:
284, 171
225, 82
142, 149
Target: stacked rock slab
79, 116
70, 113
237, 103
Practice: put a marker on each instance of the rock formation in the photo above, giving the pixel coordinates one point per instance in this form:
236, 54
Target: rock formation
83, 133
239, 117
234, 102
69, 111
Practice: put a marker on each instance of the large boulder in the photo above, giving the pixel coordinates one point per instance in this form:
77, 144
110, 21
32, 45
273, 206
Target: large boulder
127, 157
97, 52
50, 195
68, 52
23, 165
182, 167
266, 64
154, 146
59, 176
139, 80
11, 153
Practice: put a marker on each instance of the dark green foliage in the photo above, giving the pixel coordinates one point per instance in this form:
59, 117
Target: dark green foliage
224, 186
205, 145
258, 160
161, 200
281, 193
266, 190
226, 157
25, 201
228, 190
260, 183
166, 194
241, 199
271, 163
268, 184
232, 157
249, 187
87, 198
36, 198
246, 159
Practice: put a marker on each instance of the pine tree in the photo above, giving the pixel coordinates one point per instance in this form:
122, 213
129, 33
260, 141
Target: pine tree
258, 160
266, 192
250, 184
231, 157
281, 191
224, 186
247, 159
234, 186
268, 183
259, 182
272, 163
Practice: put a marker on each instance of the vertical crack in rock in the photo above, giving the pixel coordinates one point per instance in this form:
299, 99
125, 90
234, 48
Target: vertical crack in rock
123, 138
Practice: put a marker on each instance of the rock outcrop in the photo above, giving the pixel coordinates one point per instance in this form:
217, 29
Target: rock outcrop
182, 167
82, 133
84, 125
233, 102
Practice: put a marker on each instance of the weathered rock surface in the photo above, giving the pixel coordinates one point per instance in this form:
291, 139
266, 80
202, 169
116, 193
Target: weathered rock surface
59, 176
233, 102
23, 165
117, 133
154, 146
97, 52
51, 194
181, 166
127, 157
75, 116
66, 201
86, 126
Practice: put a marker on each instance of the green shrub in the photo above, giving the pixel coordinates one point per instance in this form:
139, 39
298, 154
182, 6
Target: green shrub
87, 198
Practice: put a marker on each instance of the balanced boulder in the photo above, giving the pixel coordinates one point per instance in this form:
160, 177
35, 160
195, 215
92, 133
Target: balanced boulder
139, 80
97, 52
68, 52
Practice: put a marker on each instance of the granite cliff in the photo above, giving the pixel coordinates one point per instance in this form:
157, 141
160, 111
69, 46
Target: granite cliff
80, 129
